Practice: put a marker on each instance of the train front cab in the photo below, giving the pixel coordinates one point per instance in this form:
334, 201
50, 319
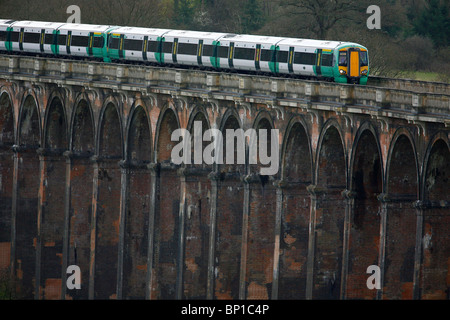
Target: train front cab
352, 65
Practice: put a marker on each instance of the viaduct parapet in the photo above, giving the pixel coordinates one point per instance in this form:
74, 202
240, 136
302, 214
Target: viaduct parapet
87, 180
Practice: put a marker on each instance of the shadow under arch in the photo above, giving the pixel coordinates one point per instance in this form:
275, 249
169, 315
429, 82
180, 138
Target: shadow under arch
402, 190
366, 181
296, 164
435, 208
138, 204
328, 212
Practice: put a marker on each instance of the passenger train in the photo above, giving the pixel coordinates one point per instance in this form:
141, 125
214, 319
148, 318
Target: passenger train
343, 62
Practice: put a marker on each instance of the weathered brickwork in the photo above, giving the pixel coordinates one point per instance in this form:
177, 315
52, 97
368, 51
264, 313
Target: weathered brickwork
87, 180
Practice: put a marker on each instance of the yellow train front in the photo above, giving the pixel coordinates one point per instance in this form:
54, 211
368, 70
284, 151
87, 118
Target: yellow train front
351, 64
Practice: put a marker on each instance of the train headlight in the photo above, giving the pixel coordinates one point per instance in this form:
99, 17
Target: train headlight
364, 72
342, 71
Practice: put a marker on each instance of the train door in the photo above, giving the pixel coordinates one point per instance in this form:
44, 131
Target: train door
354, 63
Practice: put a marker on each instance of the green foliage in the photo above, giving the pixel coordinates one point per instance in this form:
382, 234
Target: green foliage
434, 22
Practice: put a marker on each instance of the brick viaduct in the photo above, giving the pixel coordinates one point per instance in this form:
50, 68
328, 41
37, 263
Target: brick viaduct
86, 180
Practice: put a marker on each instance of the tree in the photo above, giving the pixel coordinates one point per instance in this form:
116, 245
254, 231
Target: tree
434, 22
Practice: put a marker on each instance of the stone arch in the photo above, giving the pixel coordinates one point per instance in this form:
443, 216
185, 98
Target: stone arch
29, 140
331, 157
107, 207
434, 280
55, 125
263, 121
402, 189
261, 218
52, 205
198, 115
139, 141
329, 212
82, 148
29, 128
231, 121
230, 195
137, 199
167, 209
7, 123
7, 138
167, 123
366, 181
82, 133
110, 138
294, 227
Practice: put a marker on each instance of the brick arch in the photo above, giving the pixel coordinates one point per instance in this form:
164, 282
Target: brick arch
28, 182
230, 120
82, 130
432, 164
263, 120
434, 282
55, 124
402, 154
109, 133
7, 137
82, 147
198, 114
329, 211
138, 189
402, 180
331, 136
7, 123
29, 124
366, 180
294, 227
139, 135
168, 121
291, 152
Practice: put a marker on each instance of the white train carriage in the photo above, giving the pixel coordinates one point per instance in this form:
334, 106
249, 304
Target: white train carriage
194, 48
33, 36
80, 39
134, 43
4, 25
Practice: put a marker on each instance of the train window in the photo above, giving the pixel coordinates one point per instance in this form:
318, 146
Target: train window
222, 52
48, 38
15, 36
327, 60
208, 50
304, 58
152, 46
2, 35
114, 43
363, 57
31, 37
244, 53
98, 42
282, 56
133, 45
343, 58
62, 39
79, 41
167, 47
187, 48
266, 55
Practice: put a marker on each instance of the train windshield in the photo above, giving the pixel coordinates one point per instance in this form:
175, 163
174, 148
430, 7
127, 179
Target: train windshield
343, 58
363, 57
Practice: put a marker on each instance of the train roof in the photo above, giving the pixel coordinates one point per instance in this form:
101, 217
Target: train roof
252, 38
195, 34
324, 44
37, 24
140, 31
85, 27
